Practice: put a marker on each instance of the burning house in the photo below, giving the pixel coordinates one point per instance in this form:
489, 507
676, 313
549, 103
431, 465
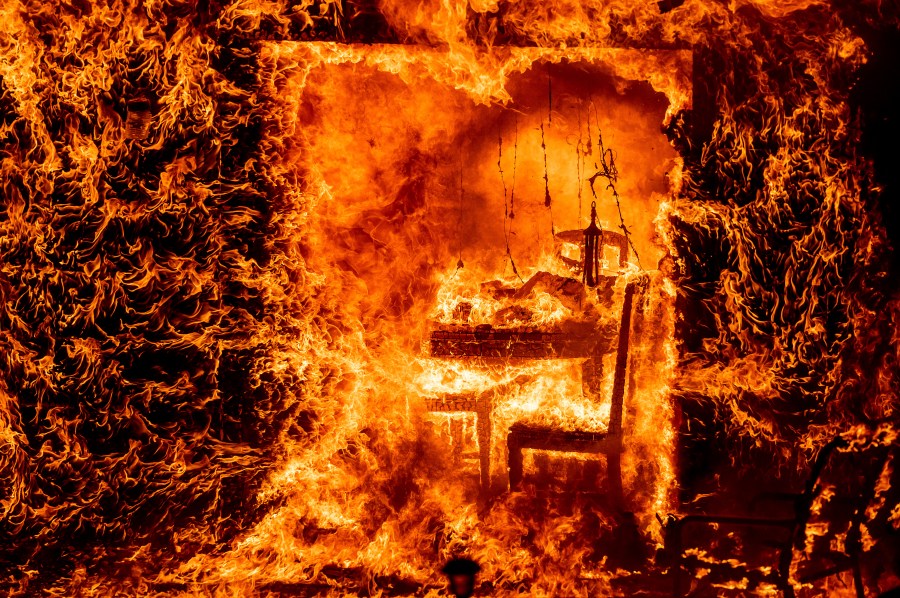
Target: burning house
333, 298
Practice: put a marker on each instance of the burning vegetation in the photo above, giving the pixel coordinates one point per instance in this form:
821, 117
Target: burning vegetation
586, 298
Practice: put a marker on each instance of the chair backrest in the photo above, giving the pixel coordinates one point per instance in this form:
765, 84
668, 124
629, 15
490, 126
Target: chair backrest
620, 374
796, 524
853, 478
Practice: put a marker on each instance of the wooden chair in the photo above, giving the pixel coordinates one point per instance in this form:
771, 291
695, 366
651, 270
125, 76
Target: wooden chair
793, 526
525, 436
486, 343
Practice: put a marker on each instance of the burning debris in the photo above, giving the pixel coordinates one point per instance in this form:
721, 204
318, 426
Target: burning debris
313, 299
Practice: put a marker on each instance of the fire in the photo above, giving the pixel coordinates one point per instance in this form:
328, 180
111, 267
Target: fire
298, 298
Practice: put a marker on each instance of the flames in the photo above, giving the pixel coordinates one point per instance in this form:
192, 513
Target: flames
230, 228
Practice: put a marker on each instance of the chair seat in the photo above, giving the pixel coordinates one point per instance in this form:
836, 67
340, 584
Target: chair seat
528, 436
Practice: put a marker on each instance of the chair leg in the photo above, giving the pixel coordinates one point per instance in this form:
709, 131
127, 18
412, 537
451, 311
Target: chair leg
785, 560
858, 579
515, 464
677, 572
484, 449
614, 479
673, 547
787, 589
457, 437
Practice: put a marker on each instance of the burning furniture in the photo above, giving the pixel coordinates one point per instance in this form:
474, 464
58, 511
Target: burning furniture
503, 346
524, 436
481, 407
787, 526
484, 342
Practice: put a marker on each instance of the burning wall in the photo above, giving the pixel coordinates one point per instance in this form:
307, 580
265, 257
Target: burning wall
181, 368
398, 164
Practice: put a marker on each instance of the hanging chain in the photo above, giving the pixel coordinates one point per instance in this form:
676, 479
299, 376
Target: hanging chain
507, 216
579, 165
512, 190
547, 200
607, 170
459, 212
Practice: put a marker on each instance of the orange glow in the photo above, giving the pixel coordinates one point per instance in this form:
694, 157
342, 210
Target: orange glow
293, 301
